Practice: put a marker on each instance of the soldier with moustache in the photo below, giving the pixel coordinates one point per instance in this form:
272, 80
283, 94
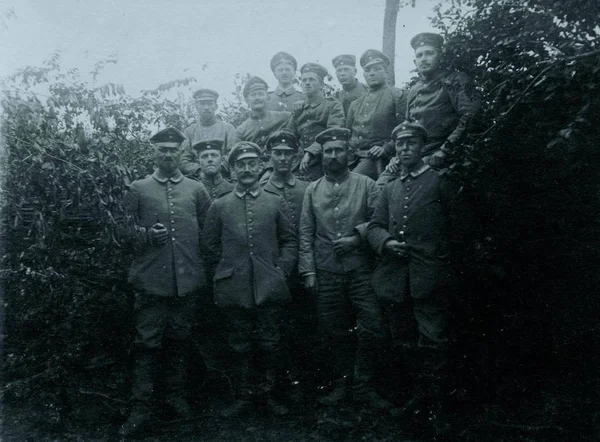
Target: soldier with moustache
284, 68
168, 212
372, 117
209, 127
316, 114
252, 248
352, 89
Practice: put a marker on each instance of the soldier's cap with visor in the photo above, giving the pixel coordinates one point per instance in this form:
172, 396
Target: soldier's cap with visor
333, 134
427, 39
169, 137
315, 68
283, 57
243, 149
205, 94
282, 140
254, 84
409, 129
212, 144
344, 60
373, 56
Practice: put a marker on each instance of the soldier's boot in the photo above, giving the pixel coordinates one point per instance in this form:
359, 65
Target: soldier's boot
143, 385
242, 402
271, 377
175, 366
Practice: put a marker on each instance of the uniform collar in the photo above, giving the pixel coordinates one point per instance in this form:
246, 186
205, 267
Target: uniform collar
213, 182
314, 103
253, 191
291, 182
343, 178
288, 91
416, 173
175, 178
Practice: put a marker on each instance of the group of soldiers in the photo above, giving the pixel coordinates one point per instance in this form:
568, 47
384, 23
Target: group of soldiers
325, 230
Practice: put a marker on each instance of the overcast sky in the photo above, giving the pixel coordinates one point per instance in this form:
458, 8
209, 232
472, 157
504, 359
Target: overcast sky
156, 41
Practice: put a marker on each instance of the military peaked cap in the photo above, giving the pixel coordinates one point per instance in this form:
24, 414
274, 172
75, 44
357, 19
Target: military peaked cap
344, 60
283, 57
205, 94
427, 39
169, 137
282, 139
315, 68
253, 84
214, 144
373, 56
408, 129
243, 149
333, 134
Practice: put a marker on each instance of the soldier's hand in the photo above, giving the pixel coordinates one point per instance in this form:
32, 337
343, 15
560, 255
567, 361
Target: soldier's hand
346, 244
376, 151
158, 234
396, 248
297, 106
304, 163
310, 282
438, 159
393, 166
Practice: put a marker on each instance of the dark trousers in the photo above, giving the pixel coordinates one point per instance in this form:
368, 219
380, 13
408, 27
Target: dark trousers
163, 325
350, 324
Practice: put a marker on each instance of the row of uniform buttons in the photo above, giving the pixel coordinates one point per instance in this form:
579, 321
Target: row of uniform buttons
170, 197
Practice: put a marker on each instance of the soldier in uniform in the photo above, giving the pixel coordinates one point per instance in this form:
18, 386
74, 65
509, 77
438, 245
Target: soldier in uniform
418, 227
372, 117
300, 319
335, 263
284, 68
207, 128
352, 89
210, 160
316, 114
168, 211
443, 102
252, 246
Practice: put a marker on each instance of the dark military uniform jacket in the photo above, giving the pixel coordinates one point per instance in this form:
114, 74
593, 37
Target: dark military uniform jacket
347, 96
425, 210
292, 192
217, 187
332, 210
252, 246
181, 205
313, 119
198, 132
372, 117
283, 99
444, 106
259, 129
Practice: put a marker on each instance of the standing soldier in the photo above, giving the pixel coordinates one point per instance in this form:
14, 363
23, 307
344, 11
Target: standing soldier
253, 247
285, 95
300, 319
418, 228
352, 89
210, 160
168, 211
208, 128
372, 117
316, 114
335, 263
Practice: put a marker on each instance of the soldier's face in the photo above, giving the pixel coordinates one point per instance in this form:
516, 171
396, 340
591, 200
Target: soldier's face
408, 150
311, 83
206, 108
257, 100
167, 158
345, 75
210, 161
427, 60
282, 159
376, 74
284, 73
335, 156
247, 170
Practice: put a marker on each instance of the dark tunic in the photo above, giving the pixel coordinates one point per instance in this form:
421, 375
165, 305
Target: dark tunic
347, 96
283, 99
